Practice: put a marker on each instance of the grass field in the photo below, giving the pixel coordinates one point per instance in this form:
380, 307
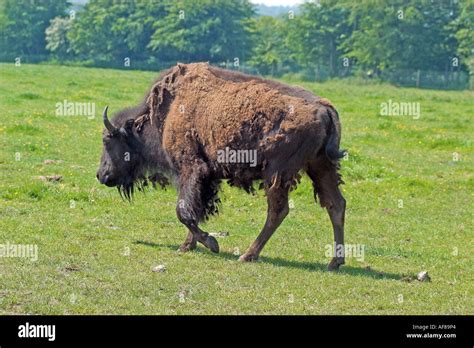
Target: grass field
409, 187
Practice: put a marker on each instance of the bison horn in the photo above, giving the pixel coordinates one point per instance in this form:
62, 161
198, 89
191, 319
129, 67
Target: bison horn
110, 127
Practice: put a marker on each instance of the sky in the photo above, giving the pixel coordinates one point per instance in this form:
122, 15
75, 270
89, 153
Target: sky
277, 2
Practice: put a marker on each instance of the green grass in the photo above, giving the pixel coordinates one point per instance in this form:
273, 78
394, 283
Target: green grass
82, 266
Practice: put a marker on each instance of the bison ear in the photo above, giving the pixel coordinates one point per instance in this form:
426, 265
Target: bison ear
127, 129
129, 124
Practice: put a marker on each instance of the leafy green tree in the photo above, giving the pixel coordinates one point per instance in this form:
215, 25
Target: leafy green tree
204, 30
3, 24
269, 51
56, 36
465, 33
112, 30
402, 34
317, 33
23, 24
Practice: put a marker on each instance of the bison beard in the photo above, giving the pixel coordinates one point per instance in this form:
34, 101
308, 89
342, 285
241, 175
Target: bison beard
192, 113
126, 190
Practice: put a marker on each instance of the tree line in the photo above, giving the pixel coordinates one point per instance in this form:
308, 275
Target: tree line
324, 39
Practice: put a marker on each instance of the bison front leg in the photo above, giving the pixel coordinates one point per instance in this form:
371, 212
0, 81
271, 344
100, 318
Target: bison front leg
189, 244
277, 198
190, 212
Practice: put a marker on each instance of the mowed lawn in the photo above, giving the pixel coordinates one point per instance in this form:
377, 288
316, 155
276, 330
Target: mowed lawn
408, 184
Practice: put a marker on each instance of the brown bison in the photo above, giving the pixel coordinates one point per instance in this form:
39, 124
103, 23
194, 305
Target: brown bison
199, 125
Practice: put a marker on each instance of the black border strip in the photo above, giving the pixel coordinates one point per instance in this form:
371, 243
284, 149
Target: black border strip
242, 330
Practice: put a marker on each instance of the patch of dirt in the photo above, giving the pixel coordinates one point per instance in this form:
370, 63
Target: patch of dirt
51, 178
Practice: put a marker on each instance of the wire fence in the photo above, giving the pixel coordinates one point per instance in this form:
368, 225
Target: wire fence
456, 80
445, 80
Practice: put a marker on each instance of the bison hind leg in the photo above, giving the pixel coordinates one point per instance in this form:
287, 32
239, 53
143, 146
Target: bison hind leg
326, 180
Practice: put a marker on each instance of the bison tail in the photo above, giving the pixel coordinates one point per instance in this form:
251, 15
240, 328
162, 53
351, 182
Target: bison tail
333, 153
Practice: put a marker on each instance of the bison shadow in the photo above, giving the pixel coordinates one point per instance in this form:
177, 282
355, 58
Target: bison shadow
278, 261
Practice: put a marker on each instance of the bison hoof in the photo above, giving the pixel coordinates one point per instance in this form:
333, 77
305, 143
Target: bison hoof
186, 247
212, 244
335, 263
248, 257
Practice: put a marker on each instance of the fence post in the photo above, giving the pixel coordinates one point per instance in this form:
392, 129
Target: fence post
418, 78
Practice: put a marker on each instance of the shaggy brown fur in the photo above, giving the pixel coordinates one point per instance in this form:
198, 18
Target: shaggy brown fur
194, 111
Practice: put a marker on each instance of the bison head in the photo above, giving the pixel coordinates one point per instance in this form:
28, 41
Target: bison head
121, 161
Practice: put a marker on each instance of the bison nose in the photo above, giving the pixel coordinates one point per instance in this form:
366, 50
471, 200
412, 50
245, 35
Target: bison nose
107, 179
103, 177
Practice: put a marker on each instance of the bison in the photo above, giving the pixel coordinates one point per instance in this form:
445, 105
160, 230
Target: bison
195, 115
